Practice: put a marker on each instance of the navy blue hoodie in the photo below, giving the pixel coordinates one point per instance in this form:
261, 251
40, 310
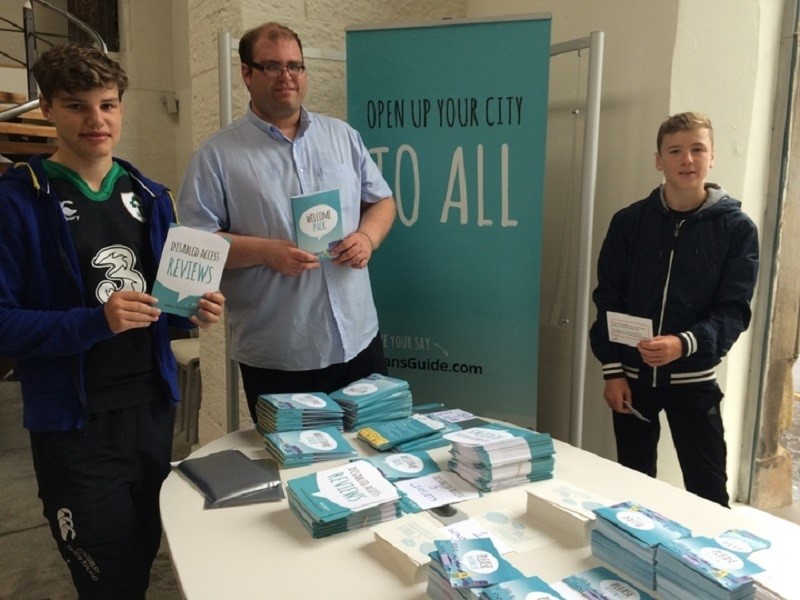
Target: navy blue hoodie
693, 276
44, 322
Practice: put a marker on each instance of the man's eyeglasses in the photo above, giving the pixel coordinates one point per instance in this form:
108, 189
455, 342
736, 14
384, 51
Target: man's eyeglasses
274, 69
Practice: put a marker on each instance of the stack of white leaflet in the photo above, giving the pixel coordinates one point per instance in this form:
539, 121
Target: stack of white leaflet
564, 509
496, 456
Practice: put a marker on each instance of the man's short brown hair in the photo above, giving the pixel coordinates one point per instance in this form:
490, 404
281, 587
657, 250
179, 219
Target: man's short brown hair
686, 121
272, 31
72, 67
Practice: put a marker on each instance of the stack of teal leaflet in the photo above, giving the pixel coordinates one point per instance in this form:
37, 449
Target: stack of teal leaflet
533, 588
297, 448
373, 399
403, 465
454, 419
626, 536
459, 569
714, 568
343, 498
599, 584
495, 456
292, 412
387, 435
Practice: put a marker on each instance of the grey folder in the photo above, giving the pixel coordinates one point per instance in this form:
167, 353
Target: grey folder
230, 478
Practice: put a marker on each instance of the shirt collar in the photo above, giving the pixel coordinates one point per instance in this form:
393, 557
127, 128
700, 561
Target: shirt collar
273, 130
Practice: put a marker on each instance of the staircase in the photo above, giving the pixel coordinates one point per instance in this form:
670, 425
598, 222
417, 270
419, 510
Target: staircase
24, 131
25, 135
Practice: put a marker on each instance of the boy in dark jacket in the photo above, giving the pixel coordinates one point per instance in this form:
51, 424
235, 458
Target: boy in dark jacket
685, 257
82, 234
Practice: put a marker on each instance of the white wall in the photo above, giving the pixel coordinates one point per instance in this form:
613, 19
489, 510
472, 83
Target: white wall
717, 57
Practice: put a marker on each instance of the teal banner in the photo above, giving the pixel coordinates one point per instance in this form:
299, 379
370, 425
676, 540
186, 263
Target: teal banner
455, 115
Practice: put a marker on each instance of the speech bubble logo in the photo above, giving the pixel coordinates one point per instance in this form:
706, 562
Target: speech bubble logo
720, 559
618, 590
318, 220
635, 520
360, 389
321, 441
480, 562
309, 400
405, 463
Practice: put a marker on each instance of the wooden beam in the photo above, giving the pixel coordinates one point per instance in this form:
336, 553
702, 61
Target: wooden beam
13, 98
12, 149
12, 128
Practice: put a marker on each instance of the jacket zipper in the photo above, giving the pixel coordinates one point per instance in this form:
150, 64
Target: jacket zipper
675, 233
78, 284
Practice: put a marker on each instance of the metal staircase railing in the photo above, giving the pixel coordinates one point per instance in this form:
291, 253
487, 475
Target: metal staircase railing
31, 38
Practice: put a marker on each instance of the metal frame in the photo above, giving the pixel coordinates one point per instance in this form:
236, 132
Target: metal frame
595, 44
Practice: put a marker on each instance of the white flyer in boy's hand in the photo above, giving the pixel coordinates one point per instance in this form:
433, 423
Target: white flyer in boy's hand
627, 329
191, 265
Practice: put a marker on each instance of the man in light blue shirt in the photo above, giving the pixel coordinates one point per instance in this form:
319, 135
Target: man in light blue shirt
298, 324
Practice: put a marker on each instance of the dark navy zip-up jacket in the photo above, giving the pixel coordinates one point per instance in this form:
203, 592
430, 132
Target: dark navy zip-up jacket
44, 322
694, 276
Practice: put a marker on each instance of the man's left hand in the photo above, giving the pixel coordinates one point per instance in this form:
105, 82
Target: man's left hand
355, 250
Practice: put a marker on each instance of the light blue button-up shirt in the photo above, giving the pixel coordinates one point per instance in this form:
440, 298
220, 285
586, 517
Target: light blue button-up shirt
241, 181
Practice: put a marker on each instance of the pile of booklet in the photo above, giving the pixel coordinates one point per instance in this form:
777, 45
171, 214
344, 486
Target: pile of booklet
459, 568
349, 497
388, 435
494, 456
564, 509
296, 448
292, 412
230, 478
626, 536
599, 584
373, 399
715, 568
454, 419
403, 465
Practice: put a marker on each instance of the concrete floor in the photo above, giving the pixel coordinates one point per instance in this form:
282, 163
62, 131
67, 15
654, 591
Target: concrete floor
31, 566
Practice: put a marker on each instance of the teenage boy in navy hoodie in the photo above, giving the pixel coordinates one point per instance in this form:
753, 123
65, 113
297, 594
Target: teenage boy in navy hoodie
82, 234
685, 257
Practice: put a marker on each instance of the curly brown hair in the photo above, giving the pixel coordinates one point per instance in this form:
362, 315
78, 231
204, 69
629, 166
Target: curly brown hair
72, 67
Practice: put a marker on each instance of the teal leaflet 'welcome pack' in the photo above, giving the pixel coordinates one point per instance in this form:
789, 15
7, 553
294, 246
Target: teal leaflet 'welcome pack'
318, 221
